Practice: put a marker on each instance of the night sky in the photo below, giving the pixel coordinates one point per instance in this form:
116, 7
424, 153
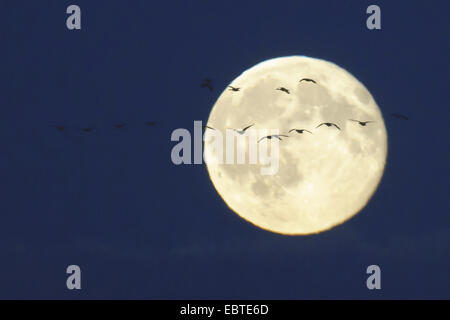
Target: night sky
140, 227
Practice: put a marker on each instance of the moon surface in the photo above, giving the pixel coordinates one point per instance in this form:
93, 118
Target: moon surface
324, 178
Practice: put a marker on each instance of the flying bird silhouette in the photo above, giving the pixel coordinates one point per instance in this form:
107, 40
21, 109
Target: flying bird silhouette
283, 89
278, 136
58, 127
207, 83
233, 88
328, 124
307, 80
119, 125
208, 127
399, 116
243, 130
362, 123
300, 131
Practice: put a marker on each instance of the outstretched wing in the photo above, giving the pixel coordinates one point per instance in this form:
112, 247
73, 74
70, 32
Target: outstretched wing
247, 127
263, 138
400, 116
307, 79
336, 126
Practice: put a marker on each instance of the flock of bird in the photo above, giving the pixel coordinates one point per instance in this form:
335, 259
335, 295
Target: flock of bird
299, 131
207, 83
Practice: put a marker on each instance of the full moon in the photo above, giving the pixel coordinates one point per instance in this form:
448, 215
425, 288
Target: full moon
325, 176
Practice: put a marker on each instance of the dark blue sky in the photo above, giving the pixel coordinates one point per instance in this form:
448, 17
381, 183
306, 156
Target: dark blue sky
140, 227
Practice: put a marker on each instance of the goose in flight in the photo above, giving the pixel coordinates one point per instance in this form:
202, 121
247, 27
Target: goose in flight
300, 131
283, 89
119, 125
243, 130
58, 127
234, 88
208, 127
328, 124
362, 123
399, 116
308, 80
278, 136
207, 83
